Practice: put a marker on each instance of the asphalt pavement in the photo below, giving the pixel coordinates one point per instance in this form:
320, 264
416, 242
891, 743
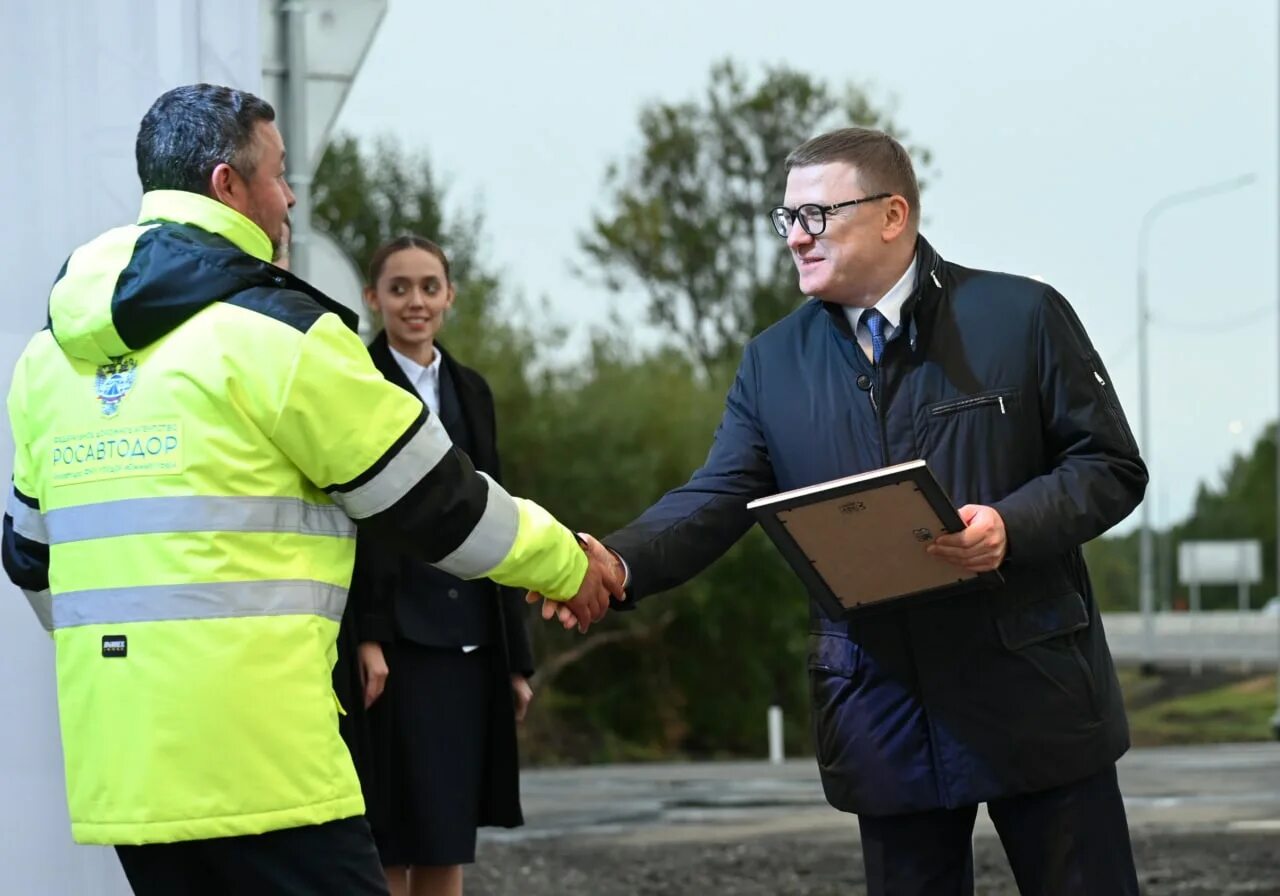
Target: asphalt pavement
1223, 788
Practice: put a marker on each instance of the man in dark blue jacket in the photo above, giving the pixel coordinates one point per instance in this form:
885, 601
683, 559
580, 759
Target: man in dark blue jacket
1005, 696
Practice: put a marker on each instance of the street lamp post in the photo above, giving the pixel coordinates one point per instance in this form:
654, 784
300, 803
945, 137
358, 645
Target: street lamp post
293, 28
1275, 719
1146, 577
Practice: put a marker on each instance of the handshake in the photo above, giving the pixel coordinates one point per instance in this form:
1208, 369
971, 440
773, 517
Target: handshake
606, 576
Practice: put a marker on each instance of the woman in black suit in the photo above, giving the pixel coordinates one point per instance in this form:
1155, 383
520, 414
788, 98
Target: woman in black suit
436, 750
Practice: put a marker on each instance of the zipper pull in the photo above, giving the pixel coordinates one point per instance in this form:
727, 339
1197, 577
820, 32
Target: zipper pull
1001, 399
1097, 376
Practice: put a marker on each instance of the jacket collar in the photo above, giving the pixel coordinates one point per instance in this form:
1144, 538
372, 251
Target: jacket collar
132, 285
928, 288
181, 207
380, 352
924, 293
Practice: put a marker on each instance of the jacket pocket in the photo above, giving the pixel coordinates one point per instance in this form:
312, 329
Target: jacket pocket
834, 663
1039, 620
833, 654
1043, 633
1003, 400
980, 445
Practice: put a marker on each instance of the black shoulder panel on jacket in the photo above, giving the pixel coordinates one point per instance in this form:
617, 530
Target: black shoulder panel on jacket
175, 272
285, 305
178, 270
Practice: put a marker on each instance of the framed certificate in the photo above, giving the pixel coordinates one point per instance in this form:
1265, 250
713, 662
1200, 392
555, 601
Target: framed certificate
860, 541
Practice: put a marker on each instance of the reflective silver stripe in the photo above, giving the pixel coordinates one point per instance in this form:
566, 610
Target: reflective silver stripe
43, 606
490, 541
203, 600
27, 521
144, 516
416, 459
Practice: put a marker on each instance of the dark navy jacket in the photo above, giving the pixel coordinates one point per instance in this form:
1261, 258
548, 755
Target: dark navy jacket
395, 596
994, 382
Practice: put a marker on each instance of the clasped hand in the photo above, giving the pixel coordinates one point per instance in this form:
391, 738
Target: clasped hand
980, 546
605, 577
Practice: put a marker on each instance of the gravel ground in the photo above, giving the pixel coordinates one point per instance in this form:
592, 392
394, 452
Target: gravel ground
1187, 863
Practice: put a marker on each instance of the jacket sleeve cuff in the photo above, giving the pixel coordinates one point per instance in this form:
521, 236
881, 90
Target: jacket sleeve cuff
375, 627
623, 606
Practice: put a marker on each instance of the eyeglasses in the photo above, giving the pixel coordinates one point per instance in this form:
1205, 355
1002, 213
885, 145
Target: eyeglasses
812, 217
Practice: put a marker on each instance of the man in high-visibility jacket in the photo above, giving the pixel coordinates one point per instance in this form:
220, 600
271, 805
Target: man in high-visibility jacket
197, 434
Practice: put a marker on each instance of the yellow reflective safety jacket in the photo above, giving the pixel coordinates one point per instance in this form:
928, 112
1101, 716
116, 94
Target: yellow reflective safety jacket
197, 433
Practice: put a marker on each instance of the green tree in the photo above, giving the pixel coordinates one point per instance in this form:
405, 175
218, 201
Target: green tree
1243, 507
594, 442
686, 220
1113, 570
365, 196
692, 671
362, 198
598, 441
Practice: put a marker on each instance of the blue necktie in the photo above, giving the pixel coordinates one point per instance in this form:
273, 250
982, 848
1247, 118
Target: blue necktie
875, 326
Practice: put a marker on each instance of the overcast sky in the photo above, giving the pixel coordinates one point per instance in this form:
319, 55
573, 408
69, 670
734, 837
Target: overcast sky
1054, 129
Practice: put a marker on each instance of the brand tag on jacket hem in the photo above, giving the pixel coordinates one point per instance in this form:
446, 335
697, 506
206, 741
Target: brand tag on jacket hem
115, 645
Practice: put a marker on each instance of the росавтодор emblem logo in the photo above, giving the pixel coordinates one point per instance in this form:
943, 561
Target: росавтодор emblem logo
114, 381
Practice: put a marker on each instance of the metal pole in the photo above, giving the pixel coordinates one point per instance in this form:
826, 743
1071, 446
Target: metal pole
776, 756
1146, 578
1275, 719
1163, 556
1192, 614
1242, 617
1145, 596
293, 28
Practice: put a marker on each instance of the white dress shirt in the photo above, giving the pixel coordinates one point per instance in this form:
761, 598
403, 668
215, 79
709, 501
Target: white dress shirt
425, 380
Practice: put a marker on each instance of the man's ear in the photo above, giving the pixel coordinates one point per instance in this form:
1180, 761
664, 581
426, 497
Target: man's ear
224, 184
897, 218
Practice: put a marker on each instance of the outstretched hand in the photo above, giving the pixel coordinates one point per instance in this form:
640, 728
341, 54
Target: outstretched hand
605, 576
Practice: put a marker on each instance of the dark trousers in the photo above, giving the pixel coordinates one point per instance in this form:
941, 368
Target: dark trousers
332, 859
1068, 841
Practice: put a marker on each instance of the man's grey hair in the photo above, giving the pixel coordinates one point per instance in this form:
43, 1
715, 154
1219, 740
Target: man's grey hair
191, 130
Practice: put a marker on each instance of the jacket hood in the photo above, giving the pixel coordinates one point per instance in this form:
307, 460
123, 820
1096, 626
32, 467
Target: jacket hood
133, 285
